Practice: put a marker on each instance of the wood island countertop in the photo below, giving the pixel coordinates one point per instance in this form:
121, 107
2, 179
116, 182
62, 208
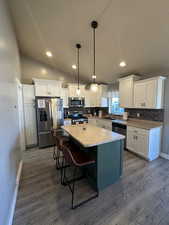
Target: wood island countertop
88, 135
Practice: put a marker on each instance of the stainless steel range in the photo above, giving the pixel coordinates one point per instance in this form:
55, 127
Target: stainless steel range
78, 118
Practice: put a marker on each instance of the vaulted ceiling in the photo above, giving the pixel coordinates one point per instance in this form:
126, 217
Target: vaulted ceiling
134, 31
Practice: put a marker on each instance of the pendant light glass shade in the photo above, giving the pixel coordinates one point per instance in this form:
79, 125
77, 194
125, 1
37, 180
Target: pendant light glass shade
78, 91
94, 87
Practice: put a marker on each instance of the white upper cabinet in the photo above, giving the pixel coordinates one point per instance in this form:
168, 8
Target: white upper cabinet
98, 98
102, 96
73, 90
64, 96
49, 88
126, 91
52, 88
149, 93
88, 98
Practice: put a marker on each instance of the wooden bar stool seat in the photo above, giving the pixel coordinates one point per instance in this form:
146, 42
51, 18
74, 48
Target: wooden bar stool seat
77, 159
75, 156
60, 139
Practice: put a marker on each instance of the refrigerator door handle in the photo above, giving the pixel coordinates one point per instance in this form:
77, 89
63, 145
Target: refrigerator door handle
50, 114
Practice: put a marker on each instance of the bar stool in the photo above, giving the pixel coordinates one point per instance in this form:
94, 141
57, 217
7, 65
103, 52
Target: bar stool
60, 138
77, 159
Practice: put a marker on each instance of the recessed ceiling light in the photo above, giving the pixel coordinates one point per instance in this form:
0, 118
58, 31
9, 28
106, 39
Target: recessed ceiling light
122, 64
74, 67
93, 76
49, 54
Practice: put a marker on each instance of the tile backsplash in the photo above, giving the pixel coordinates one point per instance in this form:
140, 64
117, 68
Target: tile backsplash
87, 110
146, 114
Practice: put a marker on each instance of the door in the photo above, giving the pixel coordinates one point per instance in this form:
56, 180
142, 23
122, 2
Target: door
21, 116
30, 124
140, 95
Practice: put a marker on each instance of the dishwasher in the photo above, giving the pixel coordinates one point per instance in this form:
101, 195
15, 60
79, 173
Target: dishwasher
120, 127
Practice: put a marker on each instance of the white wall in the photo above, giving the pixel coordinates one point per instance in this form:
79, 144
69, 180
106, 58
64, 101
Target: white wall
9, 129
33, 69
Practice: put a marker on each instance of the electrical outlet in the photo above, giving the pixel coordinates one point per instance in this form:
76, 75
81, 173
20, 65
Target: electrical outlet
138, 114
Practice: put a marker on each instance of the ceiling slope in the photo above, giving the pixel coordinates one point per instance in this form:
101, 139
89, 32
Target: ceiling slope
134, 31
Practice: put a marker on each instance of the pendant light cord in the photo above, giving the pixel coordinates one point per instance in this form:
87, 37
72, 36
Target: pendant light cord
78, 67
78, 46
94, 55
94, 25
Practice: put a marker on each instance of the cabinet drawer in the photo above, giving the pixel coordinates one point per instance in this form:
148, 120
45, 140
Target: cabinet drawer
137, 130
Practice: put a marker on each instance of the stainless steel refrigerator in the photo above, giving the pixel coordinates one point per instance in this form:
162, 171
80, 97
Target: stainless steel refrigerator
49, 113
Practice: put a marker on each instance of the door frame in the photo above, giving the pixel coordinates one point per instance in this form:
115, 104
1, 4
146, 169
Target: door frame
21, 115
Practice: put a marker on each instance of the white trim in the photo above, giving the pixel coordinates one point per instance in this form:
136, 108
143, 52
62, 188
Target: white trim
13, 204
164, 155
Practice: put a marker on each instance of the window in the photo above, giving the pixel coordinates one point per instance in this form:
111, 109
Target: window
114, 106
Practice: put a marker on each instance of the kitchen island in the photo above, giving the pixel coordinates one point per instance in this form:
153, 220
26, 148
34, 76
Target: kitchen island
105, 147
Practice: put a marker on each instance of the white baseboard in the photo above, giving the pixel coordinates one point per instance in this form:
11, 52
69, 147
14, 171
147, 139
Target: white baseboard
164, 155
13, 204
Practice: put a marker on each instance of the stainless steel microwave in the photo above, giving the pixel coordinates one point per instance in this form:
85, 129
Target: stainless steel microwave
76, 102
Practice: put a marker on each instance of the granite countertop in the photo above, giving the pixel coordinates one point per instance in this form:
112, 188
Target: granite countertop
89, 137
144, 124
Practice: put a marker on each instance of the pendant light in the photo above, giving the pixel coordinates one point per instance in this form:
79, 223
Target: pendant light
94, 86
78, 46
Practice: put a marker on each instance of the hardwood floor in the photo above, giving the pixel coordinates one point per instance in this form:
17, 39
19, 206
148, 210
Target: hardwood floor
141, 197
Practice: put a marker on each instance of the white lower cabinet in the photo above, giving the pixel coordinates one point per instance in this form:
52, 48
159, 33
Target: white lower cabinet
145, 143
102, 123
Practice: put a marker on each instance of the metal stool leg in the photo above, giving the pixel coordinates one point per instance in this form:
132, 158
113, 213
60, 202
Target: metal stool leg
73, 186
62, 171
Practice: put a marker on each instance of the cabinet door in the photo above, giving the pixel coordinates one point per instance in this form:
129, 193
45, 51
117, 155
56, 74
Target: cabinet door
151, 94
54, 90
93, 99
72, 90
142, 144
82, 91
104, 102
87, 98
140, 95
126, 93
130, 141
64, 96
30, 124
41, 90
